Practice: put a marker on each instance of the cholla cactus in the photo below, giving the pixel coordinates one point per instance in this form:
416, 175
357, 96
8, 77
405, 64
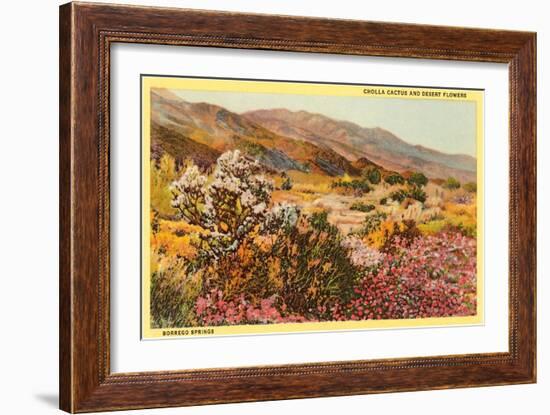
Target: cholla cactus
189, 195
230, 207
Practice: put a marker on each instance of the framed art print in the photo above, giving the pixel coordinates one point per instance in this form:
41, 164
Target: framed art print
262, 207
267, 209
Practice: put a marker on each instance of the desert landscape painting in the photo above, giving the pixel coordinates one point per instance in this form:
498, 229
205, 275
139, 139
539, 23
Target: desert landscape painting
268, 209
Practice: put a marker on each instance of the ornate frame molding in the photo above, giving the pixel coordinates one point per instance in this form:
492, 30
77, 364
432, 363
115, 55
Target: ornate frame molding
86, 33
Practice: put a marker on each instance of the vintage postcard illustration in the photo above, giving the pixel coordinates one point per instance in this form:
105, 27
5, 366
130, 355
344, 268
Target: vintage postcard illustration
276, 206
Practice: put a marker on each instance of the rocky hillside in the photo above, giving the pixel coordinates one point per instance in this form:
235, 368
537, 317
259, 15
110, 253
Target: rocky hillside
355, 142
286, 140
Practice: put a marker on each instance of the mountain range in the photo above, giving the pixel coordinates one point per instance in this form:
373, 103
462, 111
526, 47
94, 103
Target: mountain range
290, 140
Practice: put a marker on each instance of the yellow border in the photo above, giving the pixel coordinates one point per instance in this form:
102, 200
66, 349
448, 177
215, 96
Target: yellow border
243, 86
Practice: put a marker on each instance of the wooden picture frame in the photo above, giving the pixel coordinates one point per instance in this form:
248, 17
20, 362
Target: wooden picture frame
87, 32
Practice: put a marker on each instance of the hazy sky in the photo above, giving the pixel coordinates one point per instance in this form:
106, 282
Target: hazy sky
448, 126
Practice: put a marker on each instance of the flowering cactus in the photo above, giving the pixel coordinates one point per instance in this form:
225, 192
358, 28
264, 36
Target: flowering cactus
229, 207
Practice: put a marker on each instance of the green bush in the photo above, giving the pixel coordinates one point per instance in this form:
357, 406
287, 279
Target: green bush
173, 295
417, 193
399, 195
413, 192
315, 269
362, 207
361, 186
394, 178
418, 179
451, 184
372, 223
373, 175
470, 187
303, 267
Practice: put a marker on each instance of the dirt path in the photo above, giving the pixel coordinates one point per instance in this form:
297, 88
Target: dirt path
339, 210
337, 205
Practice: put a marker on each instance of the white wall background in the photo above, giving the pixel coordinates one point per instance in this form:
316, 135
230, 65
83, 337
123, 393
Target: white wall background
29, 205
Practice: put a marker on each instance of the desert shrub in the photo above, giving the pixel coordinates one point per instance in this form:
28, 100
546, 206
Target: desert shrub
384, 232
247, 273
356, 185
162, 174
373, 175
434, 276
470, 187
173, 295
287, 184
299, 262
451, 183
372, 223
167, 302
417, 179
362, 207
174, 284
460, 218
399, 195
457, 221
412, 192
383, 201
377, 238
394, 178
314, 266
174, 239
417, 193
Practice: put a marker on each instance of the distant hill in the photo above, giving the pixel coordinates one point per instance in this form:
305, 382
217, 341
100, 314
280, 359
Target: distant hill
217, 129
285, 140
355, 142
170, 141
